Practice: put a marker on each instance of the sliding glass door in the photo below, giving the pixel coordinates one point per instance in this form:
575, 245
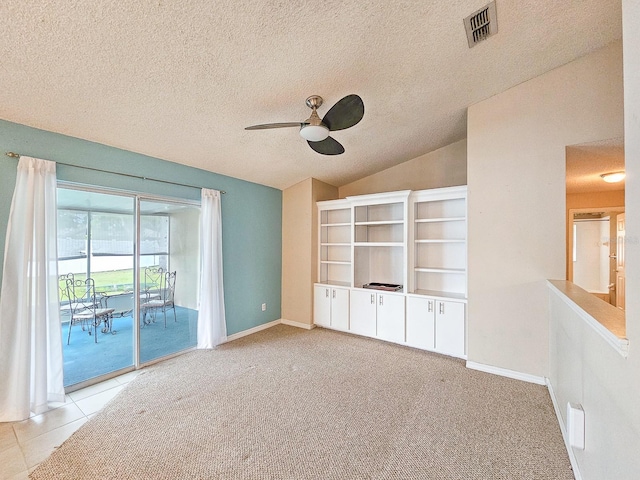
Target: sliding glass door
96, 238
128, 280
168, 282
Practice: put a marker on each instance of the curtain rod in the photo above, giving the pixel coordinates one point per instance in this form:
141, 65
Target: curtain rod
16, 155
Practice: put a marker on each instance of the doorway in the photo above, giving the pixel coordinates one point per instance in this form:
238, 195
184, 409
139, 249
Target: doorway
594, 247
595, 198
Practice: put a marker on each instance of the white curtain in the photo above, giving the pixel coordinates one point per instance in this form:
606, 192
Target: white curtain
31, 365
212, 328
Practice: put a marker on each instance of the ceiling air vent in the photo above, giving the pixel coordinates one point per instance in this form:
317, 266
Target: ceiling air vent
481, 25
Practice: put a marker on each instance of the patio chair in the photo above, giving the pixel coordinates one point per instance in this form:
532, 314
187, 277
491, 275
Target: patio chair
153, 278
85, 309
65, 303
164, 301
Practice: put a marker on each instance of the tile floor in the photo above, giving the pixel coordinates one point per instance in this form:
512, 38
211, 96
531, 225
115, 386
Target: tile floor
23, 445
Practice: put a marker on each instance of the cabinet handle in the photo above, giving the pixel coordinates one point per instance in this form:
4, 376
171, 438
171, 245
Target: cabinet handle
430, 306
373, 299
441, 308
326, 292
381, 300
334, 293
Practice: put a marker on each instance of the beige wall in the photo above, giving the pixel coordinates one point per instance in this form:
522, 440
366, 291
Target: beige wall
516, 193
595, 200
445, 167
299, 247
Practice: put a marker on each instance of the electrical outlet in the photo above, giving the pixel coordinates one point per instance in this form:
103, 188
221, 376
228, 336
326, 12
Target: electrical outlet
264, 307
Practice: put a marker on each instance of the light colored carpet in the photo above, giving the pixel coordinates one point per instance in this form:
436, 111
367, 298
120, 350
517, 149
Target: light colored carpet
287, 403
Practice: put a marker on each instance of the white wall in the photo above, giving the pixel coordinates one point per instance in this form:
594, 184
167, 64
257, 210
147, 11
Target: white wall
516, 190
588, 371
520, 136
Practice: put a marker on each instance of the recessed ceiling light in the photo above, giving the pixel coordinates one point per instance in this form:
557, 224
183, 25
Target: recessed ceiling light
613, 177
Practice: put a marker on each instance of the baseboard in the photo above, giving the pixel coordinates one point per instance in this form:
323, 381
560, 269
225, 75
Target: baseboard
244, 333
503, 372
292, 323
264, 326
563, 429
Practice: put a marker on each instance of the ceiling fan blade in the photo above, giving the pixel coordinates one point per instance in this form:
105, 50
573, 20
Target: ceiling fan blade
344, 114
328, 146
266, 126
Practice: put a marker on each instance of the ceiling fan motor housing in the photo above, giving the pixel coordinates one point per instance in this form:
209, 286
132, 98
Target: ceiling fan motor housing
313, 130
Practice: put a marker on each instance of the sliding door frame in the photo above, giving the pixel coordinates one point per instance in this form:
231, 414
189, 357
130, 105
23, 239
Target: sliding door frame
137, 198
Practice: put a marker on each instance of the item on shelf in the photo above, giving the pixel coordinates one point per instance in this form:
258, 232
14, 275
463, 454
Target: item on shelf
387, 287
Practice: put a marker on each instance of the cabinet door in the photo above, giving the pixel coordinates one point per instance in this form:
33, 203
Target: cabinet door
362, 313
450, 328
421, 322
390, 316
340, 308
322, 305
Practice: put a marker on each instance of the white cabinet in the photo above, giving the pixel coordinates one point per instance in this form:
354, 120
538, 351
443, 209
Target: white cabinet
390, 317
421, 324
331, 307
377, 314
436, 324
450, 328
362, 312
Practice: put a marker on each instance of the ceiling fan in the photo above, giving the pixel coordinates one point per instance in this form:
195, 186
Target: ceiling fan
344, 114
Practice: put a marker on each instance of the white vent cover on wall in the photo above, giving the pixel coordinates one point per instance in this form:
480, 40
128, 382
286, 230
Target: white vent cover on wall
481, 24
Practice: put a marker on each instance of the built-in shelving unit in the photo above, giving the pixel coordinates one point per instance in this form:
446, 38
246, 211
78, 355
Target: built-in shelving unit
414, 239
335, 243
380, 238
439, 255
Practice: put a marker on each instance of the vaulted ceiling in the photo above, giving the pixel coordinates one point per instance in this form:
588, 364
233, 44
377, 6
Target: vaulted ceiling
180, 80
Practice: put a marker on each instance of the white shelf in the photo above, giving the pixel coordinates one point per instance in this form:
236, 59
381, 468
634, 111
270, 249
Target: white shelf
335, 283
438, 259
381, 222
334, 243
440, 270
440, 294
441, 219
441, 240
378, 244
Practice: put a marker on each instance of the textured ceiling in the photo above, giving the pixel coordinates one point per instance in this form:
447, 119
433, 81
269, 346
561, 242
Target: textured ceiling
586, 162
181, 80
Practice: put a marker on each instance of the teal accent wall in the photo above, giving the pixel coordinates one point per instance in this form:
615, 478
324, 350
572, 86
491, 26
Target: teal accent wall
251, 213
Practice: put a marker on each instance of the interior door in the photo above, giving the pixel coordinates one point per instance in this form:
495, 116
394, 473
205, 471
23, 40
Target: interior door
620, 275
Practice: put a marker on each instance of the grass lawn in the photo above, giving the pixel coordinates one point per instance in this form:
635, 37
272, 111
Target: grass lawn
108, 281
